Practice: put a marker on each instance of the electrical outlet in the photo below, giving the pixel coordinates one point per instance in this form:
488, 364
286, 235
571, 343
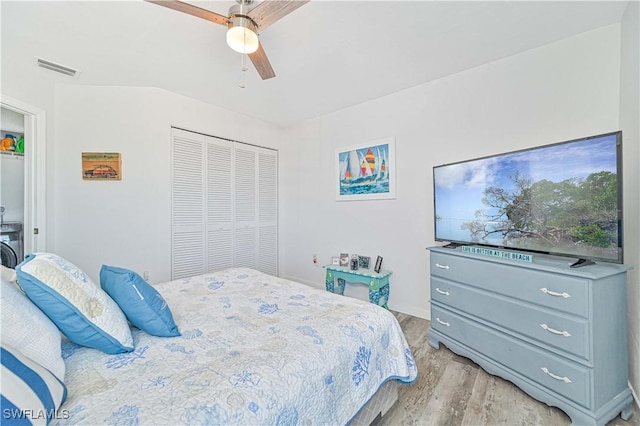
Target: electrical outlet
145, 275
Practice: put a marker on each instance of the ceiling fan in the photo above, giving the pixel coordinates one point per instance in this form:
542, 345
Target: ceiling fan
243, 24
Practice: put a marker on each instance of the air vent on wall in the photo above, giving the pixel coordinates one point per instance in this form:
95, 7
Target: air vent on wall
56, 67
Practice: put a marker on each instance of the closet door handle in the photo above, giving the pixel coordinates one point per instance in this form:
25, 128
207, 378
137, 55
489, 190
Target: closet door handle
550, 374
443, 322
446, 293
442, 266
554, 331
553, 293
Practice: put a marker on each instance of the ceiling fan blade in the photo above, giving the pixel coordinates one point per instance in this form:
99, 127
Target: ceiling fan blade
192, 10
269, 11
260, 61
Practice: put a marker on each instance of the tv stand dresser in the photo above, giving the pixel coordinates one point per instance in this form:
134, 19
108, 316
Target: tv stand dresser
558, 333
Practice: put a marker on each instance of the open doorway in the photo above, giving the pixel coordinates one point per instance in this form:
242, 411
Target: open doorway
11, 187
34, 208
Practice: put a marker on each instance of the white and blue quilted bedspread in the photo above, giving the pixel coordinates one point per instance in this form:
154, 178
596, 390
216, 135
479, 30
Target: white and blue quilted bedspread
255, 349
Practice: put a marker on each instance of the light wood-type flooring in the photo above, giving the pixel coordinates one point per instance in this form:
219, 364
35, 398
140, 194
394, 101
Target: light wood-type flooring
453, 390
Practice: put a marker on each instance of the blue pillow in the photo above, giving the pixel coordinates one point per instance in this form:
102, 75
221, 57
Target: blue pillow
77, 305
30, 392
143, 306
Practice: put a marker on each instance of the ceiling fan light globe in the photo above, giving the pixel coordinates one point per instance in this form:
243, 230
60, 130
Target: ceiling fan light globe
242, 39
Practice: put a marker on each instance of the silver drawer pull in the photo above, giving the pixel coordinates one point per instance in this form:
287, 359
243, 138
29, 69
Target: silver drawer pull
442, 266
442, 322
446, 293
554, 331
564, 379
553, 293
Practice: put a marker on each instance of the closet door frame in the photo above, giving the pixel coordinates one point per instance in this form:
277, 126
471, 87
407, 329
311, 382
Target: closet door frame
36, 222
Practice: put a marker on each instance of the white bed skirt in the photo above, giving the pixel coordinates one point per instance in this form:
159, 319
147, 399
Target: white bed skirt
378, 405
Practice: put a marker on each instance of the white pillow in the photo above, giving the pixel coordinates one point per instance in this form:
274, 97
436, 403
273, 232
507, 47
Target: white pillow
27, 329
8, 274
31, 394
78, 306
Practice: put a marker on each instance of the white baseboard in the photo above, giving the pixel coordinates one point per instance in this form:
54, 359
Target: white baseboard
320, 286
424, 313
635, 396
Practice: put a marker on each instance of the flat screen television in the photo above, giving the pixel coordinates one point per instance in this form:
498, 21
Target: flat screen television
563, 199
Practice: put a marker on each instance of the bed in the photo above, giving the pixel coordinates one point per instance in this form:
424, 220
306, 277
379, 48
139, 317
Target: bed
252, 349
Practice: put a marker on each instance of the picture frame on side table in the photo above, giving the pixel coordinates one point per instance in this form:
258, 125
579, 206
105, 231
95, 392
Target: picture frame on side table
335, 260
364, 262
353, 263
378, 265
344, 259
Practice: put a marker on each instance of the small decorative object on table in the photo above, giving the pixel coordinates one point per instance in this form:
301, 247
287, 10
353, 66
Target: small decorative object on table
354, 262
344, 259
378, 264
335, 260
364, 262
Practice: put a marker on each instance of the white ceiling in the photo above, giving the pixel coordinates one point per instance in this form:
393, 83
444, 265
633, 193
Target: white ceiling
327, 55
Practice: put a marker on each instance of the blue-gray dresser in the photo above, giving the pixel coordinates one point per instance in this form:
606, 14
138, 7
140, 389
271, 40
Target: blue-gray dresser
558, 333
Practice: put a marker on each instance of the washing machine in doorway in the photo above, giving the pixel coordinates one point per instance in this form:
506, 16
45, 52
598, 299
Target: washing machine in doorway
11, 244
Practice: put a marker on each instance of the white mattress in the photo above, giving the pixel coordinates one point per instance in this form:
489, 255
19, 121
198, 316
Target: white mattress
255, 349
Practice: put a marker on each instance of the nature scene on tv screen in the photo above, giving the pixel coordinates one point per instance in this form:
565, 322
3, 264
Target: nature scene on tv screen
559, 198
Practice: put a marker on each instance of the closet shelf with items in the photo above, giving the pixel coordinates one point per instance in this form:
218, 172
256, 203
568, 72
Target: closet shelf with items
12, 142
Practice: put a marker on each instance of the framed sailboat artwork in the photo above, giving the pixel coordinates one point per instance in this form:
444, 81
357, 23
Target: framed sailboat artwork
366, 171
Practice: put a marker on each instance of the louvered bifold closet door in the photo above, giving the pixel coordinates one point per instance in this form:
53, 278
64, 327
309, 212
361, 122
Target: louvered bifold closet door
245, 207
224, 205
219, 204
188, 204
268, 211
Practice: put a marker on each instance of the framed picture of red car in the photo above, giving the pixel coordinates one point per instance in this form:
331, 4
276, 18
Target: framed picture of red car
101, 166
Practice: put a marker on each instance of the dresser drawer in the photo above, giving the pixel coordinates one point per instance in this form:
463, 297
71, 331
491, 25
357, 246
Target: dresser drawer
564, 377
562, 331
561, 292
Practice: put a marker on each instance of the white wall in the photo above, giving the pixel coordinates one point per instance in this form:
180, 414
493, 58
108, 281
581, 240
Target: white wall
630, 125
565, 90
127, 223
34, 86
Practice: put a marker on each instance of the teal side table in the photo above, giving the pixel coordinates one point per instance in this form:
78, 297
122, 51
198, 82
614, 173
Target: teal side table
378, 282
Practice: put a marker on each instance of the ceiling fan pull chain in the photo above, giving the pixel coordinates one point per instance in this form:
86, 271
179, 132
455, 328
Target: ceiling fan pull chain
243, 62
243, 68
